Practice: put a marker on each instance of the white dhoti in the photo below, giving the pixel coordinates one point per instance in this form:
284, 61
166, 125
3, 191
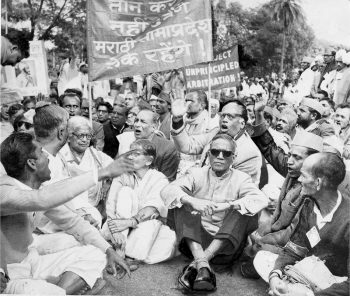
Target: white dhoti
151, 241
264, 263
38, 274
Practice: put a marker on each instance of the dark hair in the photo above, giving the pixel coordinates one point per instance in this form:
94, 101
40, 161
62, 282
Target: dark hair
107, 105
47, 119
20, 39
148, 147
268, 116
318, 115
70, 95
344, 106
28, 100
165, 96
329, 101
240, 104
155, 90
310, 151
202, 97
17, 120
331, 168
13, 109
16, 149
323, 92
226, 137
75, 91
143, 105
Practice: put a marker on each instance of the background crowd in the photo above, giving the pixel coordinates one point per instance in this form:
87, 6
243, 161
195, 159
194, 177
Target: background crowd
205, 167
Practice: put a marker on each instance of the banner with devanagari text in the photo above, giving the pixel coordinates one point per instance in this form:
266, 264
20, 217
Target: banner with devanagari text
127, 38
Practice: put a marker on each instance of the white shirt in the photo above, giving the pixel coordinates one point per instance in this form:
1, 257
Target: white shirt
320, 220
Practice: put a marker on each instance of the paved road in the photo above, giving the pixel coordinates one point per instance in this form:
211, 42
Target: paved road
161, 279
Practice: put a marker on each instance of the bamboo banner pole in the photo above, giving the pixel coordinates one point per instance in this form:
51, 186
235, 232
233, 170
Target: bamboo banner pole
90, 102
209, 91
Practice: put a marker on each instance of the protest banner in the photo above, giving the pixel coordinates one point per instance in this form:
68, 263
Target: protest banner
222, 72
127, 38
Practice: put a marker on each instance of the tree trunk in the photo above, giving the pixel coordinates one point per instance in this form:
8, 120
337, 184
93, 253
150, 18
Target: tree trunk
283, 51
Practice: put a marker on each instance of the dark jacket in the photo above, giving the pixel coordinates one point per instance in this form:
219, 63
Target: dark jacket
333, 247
167, 159
111, 142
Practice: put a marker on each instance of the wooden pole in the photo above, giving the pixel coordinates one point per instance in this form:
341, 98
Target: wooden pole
90, 102
209, 91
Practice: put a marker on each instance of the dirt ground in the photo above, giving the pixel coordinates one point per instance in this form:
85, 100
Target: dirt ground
161, 279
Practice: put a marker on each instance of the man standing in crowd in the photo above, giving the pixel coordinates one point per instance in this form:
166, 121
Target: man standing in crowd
72, 103
331, 65
68, 271
214, 212
342, 121
306, 78
145, 126
113, 127
287, 122
196, 122
103, 110
341, 86
162, 108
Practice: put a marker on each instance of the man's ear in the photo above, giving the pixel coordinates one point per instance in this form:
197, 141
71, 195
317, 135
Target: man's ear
242, 122
31, 163
60, 133
150, 160
319, 183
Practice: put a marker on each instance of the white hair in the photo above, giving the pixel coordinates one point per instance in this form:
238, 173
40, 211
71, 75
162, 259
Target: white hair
77, 122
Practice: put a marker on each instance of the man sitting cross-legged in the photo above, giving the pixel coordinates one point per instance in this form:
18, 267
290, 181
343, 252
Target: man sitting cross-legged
21, 205
213, 212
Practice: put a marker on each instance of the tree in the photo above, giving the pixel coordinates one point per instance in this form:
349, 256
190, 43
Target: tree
287, 13
61, 21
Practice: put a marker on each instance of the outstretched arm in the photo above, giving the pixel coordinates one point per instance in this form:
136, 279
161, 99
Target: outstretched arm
14, 200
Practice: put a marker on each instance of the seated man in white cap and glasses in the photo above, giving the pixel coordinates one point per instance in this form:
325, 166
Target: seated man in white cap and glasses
306, 78
274, 233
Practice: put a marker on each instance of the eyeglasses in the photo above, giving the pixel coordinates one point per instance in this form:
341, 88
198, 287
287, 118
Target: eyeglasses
225, 154
81, 136
27, 125
230, 116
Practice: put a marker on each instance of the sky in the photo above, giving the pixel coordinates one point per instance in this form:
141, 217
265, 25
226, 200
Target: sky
330, 19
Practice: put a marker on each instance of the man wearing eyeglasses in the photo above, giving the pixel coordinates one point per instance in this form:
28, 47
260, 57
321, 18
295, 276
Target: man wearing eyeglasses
214, 208
233, 119
72, 103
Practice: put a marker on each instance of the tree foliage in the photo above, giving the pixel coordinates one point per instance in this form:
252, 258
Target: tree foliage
259, 35
61, 21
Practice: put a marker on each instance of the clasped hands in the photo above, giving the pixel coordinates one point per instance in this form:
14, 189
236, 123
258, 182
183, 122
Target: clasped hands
204, 207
